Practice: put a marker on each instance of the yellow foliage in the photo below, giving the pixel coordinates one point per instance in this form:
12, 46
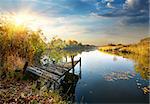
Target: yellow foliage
18, 44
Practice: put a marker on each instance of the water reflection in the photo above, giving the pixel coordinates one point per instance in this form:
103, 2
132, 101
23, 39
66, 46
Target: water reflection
59, 56
94, 88
68, 86
114, 58
141, 65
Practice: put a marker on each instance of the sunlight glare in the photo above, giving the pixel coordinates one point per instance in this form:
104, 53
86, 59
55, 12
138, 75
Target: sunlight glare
21, 19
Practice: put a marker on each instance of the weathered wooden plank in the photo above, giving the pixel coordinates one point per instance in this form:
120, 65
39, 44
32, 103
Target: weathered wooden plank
53, 72
41, 72
58, 67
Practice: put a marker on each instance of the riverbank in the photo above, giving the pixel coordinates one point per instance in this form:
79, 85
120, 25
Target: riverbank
26, 92
138, 52
140, 48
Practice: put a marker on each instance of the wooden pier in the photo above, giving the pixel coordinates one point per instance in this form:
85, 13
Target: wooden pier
54, 72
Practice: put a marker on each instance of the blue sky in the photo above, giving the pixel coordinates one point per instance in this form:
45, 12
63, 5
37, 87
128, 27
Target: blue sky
88, 21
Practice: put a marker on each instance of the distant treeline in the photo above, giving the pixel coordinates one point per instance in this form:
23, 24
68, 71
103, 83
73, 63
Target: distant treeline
57, 43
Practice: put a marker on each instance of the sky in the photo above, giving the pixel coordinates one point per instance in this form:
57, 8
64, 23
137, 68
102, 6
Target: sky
95, 22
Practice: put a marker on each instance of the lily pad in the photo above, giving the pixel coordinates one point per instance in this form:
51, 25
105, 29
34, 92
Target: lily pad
113, 76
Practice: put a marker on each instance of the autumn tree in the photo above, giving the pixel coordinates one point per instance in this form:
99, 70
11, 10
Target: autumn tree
18, 45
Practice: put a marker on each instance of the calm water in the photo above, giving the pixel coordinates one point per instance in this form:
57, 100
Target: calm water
94, 88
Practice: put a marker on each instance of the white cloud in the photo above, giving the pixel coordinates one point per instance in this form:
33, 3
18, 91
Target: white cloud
105, 1
129, 4
109, 5
109, 0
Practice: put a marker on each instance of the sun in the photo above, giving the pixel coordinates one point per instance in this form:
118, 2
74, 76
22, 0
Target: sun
30, 20
20, 19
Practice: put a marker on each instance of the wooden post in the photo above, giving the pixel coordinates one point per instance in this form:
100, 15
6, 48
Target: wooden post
25, 67
80, 69
66, 58
72, 61
38, 84
54, 85
80, 62
80, 74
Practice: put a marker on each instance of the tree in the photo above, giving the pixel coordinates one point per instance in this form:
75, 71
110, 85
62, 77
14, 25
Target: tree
57, 43
18, 45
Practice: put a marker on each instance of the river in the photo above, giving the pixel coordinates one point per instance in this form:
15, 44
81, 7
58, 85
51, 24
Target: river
104, 79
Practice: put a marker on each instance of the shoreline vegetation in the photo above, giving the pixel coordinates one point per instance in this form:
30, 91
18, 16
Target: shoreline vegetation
140, 48
138, 52
20, 45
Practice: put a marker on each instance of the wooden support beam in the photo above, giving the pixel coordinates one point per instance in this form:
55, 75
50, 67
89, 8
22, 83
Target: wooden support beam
72, 61
54, 86
66, 58
80, 61
80, 68
25, 67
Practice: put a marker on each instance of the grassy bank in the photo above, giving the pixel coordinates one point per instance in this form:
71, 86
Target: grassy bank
140, 48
